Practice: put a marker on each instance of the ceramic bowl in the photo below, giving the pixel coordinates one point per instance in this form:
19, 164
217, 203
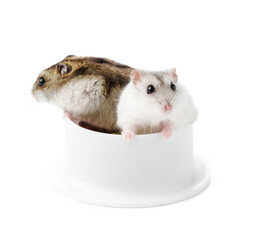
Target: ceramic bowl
105, 169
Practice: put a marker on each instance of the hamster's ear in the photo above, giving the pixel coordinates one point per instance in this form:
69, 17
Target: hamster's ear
135, 76
62, 69
173, 74
70, 56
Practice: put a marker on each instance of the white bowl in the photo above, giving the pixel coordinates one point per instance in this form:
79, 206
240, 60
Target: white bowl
105, 169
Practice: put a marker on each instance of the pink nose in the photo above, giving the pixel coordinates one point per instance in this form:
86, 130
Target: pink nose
168, 107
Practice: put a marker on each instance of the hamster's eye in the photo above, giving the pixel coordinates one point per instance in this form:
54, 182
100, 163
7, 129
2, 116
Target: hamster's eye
150, 89
173, 87
41, 81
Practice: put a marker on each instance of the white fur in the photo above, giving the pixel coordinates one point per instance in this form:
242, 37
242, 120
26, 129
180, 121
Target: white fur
78, 96
138, 110
39, 96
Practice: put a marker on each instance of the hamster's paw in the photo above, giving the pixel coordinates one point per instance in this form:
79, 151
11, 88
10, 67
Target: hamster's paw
166, 131
67, 115
128, 134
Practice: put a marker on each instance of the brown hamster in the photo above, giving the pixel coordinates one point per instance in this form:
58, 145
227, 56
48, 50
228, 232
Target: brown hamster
87, 88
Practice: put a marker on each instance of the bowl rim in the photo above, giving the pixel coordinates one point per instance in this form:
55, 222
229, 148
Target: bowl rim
69, 121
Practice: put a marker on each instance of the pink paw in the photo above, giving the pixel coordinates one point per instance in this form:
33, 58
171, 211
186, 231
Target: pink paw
67, 115
128, 134
166, 132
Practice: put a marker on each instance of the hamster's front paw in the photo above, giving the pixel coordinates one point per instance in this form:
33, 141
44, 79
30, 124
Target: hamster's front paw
166, 131
68, 115
128, 134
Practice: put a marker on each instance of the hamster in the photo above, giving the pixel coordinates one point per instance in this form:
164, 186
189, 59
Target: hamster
86, 88
152, 102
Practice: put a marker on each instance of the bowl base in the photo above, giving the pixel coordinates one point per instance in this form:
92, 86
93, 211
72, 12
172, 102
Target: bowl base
100, 195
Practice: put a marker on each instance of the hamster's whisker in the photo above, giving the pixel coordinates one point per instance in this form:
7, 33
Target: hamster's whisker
172, 100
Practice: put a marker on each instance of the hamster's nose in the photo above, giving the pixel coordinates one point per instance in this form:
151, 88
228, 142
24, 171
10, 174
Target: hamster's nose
168, 107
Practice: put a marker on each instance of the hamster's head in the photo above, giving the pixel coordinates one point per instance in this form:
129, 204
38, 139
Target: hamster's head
67, 85
158, 89
50, 80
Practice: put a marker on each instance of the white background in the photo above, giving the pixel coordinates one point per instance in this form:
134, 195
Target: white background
211, 43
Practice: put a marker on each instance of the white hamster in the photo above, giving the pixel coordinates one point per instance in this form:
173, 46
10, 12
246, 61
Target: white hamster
154, 100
